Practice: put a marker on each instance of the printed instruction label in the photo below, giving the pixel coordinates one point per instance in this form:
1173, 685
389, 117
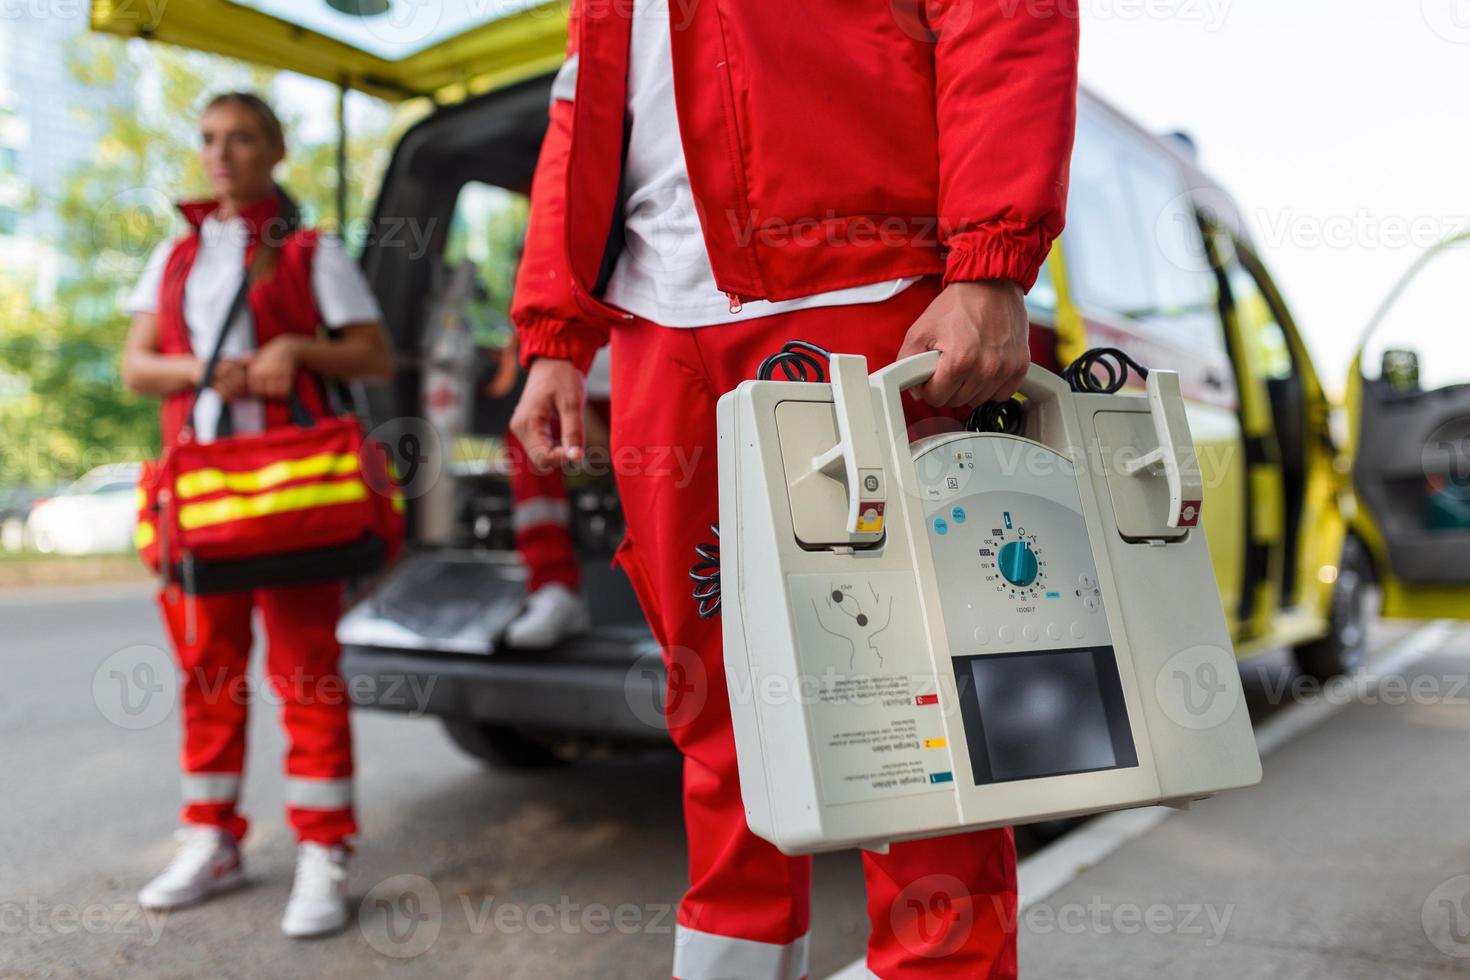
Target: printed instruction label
871, 696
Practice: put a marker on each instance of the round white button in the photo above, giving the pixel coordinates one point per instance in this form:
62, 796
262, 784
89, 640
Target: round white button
1029, 632
1086, 581
1054, 631
1006, 634
982, 635
1091, 603
1077, 631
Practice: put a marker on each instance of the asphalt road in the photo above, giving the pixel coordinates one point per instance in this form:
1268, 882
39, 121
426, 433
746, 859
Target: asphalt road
568, 873
565, 873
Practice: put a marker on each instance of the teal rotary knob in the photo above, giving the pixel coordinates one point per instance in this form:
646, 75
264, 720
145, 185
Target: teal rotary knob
1018, 563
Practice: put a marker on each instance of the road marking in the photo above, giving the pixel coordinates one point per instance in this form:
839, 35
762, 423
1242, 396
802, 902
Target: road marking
1055, 866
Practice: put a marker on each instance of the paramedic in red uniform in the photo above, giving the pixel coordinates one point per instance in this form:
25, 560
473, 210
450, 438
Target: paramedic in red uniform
879, 177
178, 308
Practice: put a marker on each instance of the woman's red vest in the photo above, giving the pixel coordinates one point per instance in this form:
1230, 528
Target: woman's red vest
280, 303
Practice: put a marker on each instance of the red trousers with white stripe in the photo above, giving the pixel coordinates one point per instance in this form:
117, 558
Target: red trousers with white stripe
937, 908
542, 515
212, 642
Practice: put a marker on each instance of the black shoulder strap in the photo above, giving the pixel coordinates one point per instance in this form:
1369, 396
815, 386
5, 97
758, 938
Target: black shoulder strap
300, 415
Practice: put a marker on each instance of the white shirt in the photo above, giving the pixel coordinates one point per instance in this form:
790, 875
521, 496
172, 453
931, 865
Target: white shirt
337, 284
664, 272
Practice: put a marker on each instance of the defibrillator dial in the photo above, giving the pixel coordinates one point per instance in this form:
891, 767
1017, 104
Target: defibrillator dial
1018, 564
1015, 562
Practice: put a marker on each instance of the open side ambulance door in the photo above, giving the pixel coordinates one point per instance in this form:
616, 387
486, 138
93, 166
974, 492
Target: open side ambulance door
1408, 402
393, 49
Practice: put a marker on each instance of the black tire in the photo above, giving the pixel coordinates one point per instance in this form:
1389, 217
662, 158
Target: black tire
1344, 648
502, 746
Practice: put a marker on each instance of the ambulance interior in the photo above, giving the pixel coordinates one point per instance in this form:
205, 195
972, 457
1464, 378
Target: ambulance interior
454, 197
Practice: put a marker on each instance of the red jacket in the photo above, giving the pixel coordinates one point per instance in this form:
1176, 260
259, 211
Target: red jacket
829, 143
281, 303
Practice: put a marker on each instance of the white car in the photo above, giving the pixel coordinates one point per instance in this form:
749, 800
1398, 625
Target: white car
96, 514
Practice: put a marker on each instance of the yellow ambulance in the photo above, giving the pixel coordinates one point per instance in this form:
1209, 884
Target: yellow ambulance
1302, 521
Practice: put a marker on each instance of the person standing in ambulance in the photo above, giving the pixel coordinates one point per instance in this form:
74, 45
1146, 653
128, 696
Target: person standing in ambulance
880, 177
178, 310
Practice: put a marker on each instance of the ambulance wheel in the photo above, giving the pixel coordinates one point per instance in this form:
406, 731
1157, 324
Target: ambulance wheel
502, 746
1345, 646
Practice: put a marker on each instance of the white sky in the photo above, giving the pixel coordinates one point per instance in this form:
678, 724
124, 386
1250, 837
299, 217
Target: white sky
1342, 129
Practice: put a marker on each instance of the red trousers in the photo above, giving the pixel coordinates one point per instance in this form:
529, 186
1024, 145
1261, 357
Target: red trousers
541, 516
937, 908
212, 643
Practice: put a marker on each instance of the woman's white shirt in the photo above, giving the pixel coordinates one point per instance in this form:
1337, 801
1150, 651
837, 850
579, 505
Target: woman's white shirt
341, 292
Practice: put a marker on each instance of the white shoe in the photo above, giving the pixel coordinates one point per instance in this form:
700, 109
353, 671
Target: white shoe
553, 613
318, 903
207, 863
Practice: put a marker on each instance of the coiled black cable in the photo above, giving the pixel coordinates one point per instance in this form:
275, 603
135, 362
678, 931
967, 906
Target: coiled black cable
1007, 417
798, 360
1111, 361
706, 575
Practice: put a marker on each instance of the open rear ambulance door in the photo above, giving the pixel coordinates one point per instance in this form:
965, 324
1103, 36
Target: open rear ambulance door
1408, 401
393, 49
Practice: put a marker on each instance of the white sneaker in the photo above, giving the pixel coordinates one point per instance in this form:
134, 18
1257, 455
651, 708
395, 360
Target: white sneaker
318, 903
553, 613
207, 863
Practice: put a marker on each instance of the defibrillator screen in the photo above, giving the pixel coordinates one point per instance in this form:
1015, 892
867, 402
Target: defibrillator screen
1050, 713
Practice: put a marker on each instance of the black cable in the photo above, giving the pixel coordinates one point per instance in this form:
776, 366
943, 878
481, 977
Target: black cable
798, 360
1008, 417
706, 576
1114, 365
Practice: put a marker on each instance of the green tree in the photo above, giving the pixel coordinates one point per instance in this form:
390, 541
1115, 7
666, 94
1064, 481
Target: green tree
62, 404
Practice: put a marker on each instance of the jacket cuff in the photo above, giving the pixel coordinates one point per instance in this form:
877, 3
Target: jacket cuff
561, 340
993, 254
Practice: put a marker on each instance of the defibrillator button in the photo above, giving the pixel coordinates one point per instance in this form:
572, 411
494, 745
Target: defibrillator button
1029, 632
982, 635
1078, 631
1007, 634
1053, 631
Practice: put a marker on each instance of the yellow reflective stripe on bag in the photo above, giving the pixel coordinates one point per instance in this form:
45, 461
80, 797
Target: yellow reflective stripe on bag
143, 535
222, 510
197, 483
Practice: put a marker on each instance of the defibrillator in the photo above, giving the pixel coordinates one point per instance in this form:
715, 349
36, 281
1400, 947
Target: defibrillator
932, 633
